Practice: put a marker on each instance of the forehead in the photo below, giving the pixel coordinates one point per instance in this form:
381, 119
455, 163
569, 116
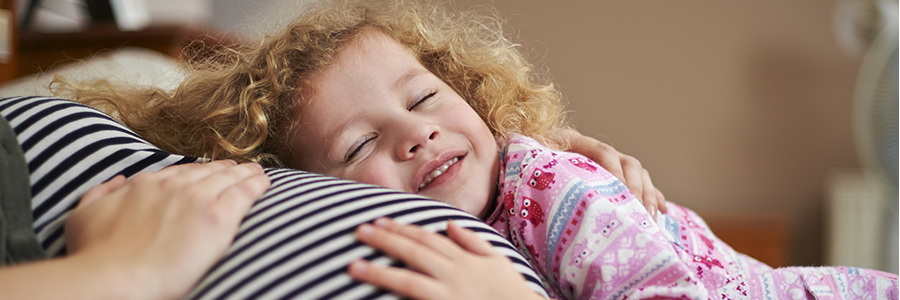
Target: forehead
370, 47
370, 63
368, 59
367, 70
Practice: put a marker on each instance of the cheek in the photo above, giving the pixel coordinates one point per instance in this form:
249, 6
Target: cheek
466, 120
373, 171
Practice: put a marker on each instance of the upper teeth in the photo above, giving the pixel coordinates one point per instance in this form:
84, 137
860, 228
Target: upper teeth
437, 172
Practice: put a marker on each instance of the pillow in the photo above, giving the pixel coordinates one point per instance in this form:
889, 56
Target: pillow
294, 243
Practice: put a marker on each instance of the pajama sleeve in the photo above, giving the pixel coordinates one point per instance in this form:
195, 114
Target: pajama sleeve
590, 238
584, 231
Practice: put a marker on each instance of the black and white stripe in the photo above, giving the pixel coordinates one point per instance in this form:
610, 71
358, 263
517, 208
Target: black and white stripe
70, 148
296, 241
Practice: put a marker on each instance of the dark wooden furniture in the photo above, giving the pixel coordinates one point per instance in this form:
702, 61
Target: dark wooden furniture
764, 237
41, 51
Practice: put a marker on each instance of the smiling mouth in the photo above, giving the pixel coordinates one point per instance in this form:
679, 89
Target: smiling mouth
437, 172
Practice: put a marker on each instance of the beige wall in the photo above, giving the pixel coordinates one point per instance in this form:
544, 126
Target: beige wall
733, 106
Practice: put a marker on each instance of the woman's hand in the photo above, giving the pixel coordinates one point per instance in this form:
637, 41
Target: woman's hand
626, 168
163, 230
466, 269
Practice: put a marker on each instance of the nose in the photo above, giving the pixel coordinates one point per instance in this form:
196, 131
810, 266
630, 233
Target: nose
416, 136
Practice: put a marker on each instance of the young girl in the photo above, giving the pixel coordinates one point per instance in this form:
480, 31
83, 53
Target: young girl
409, 96
378, 115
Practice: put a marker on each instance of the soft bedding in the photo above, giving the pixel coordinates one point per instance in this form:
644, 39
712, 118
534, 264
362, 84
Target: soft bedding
294, 243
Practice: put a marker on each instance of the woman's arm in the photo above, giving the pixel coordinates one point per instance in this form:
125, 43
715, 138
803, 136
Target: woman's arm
628, 169
461, 267
151, 237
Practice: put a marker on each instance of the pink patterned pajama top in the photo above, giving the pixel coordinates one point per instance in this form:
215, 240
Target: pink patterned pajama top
590, 238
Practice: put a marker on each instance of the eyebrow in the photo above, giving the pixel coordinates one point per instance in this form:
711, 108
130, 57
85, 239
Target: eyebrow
334, 139
409, 76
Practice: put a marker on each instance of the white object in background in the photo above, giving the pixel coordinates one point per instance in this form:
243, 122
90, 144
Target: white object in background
130, 15
855, 220
857, 22
60, 16
131, 66
6, 35
180, 12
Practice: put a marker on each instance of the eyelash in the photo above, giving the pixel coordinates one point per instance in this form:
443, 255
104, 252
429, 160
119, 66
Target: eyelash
353, 153
357, 149
423, 100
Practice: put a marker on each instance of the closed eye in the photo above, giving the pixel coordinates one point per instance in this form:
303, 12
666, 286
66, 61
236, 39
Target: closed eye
358, 147
422, 100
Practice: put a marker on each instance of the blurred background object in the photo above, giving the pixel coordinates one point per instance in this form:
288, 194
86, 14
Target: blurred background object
863, 204
50, 16
61, 31
9, 41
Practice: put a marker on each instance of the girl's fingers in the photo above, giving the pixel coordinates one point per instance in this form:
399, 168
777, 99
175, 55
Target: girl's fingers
401, 281
435, 242
469, 241
415, 254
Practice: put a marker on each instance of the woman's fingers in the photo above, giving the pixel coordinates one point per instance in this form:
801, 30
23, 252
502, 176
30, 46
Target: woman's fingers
624, 167
604, 155
173, 170
661, 202
637, 179
102, 190
633, 173
193, 210
403, 281
239, 198
650, 200
185, 175
229, 180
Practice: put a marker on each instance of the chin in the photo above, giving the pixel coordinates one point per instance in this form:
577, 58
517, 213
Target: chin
483, 212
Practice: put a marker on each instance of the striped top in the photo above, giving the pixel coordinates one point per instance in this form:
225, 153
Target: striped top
294, 243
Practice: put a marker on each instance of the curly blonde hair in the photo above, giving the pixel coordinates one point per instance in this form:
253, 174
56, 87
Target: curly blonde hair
241, 102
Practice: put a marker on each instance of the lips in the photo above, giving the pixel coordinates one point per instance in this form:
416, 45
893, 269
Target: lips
432, 172
437, 172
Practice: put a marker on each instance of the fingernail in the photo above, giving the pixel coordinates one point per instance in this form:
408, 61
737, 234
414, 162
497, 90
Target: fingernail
231, 161
257, 165
652, 210
382, 222
365, 230
359, 266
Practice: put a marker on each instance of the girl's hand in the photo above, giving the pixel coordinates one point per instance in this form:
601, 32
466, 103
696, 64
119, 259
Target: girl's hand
159, 232
466, 269
626, 168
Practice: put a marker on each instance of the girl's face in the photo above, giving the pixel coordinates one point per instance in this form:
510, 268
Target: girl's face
378, 116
